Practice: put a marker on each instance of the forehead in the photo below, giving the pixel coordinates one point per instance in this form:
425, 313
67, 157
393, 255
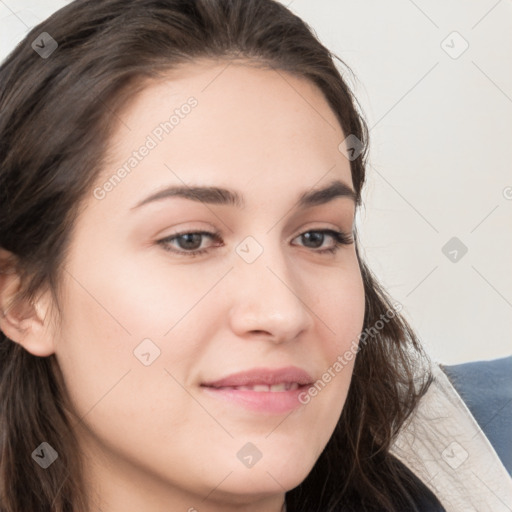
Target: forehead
226, 123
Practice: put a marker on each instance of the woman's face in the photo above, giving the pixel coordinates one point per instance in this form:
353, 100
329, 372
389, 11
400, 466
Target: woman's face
251, 288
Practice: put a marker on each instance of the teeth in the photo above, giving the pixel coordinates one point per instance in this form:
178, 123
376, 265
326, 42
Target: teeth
284, 386
260, 387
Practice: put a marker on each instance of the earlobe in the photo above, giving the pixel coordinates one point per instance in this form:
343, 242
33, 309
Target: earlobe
24, 322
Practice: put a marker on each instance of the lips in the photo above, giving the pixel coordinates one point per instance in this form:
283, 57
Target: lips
274, 388
257, 377
261, 390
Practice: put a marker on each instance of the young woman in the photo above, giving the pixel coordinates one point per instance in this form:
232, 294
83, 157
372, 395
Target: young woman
187, 323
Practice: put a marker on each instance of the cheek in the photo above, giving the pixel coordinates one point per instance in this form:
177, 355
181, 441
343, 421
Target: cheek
108, 334
119, 314
339, 304
121, 301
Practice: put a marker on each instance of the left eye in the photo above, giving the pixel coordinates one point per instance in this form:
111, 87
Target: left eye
326, 240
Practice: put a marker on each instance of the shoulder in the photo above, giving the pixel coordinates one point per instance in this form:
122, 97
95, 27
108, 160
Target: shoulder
454, 436
486, 388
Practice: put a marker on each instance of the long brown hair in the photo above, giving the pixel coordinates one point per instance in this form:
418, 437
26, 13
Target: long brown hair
57, 113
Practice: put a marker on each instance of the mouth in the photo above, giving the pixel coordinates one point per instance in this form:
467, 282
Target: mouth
261, 390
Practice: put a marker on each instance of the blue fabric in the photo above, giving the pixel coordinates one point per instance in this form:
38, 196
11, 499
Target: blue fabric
486, 388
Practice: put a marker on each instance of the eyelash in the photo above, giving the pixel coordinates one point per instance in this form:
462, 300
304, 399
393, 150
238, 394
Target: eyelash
340, 238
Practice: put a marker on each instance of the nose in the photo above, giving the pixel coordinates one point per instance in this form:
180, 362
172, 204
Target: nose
268, 300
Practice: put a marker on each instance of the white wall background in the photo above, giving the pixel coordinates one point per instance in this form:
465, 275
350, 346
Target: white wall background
441, 154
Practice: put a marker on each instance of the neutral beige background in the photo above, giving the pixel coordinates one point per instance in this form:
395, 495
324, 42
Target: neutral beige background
441, 154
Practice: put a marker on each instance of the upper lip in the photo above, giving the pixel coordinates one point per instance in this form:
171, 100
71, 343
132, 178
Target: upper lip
267, 376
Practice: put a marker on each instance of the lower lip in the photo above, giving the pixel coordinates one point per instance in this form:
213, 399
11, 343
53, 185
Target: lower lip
273, 402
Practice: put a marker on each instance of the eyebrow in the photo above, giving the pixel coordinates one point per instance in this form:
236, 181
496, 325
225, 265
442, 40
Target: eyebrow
223, 196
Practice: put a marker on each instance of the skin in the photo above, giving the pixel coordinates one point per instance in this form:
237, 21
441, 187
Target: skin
151, 437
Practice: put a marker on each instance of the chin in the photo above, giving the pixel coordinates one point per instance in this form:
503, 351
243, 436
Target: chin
277, 474
262, 484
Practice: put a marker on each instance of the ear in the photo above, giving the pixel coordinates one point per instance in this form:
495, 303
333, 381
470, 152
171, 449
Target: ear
26, 323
